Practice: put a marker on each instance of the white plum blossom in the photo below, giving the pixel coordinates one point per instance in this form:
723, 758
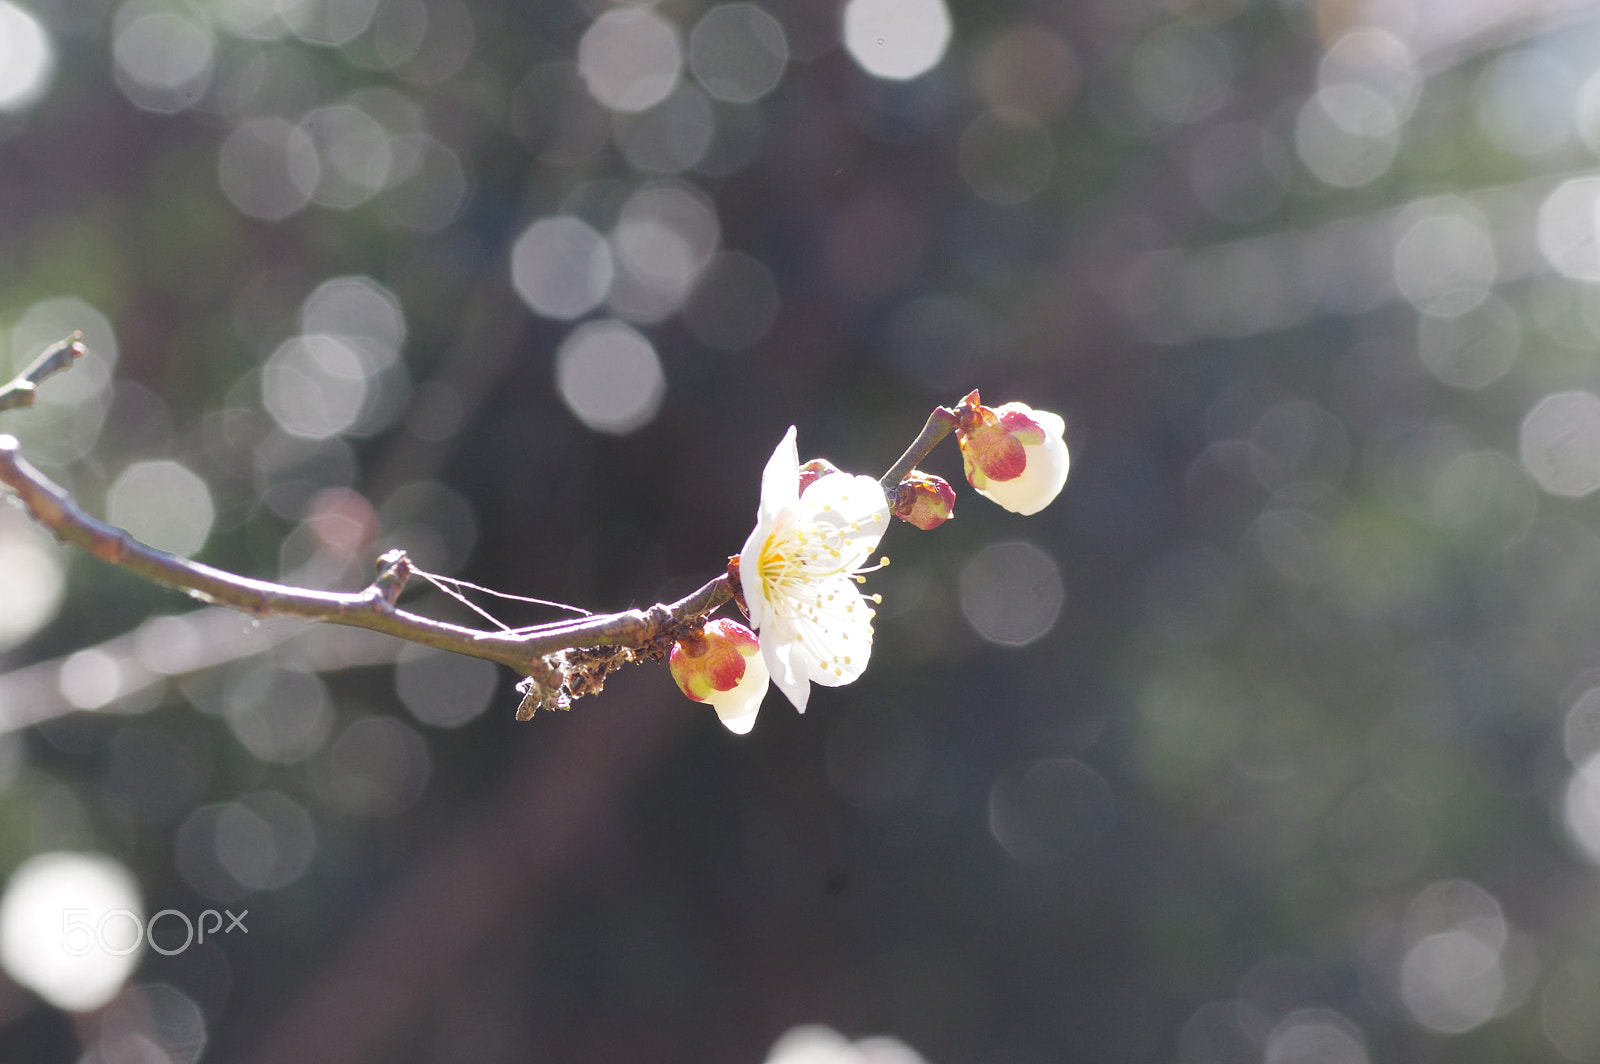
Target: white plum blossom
800, 569
1014, 455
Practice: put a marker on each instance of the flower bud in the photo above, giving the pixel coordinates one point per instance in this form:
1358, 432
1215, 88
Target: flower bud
723, 666
815, 470
924, 500
1013, 454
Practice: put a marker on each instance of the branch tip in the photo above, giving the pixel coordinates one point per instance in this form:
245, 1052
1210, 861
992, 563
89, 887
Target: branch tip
937, 427
394, 569
55, 358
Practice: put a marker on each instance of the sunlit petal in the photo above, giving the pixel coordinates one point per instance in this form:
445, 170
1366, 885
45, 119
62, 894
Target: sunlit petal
800, 571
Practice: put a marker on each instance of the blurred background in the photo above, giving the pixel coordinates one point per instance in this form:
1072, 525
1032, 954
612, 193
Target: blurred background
1273, 739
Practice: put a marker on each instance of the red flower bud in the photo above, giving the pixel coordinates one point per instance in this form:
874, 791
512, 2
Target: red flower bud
722, 665
924, 500
815, 470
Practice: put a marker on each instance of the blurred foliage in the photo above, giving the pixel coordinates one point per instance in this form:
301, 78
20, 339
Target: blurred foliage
1273, 739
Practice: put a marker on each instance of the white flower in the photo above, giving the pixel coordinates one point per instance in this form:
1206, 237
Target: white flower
800, 569
1014, 455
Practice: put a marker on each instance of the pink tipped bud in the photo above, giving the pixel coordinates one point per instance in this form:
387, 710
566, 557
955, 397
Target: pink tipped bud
814, 471
924, 500
1013, 454
723, 666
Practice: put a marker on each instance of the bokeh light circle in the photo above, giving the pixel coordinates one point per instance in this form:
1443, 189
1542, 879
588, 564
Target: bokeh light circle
163, 60
1048, 811
314, 386
1452, 981
355, 155
1006, 156
377, 766
630, 58
738, 52
360, 312
1561, 443
670, 137
27, 58
162, 503
1315, 1036
1347, 136
32, 578
896, 39
609, 377
1011, 593
1472, 349
444, 689
1567, 228
269, 168
279, 715
62, 932
264, 840
561, 267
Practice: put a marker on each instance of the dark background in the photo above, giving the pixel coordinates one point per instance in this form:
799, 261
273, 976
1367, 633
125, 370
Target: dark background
1264, 742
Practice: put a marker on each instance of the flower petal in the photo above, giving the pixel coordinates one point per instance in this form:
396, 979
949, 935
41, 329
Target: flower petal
755, 603
1039, 484
799, 570
852, 497
1052, 423
738, 722
737, 707
784, 662
780, 480
854, 504
838, 654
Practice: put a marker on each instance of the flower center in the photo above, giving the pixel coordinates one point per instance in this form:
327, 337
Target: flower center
804, 570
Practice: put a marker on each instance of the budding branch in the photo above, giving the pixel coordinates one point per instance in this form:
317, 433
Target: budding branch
562, 660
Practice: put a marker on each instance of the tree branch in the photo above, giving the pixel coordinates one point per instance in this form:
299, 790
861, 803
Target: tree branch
56, 358
938, 426
561, 661
372, 608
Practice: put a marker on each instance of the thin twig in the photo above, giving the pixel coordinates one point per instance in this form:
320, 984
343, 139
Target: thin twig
55, 358
938, 426
372, 608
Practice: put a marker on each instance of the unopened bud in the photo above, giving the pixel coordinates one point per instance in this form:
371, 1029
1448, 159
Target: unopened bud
1013, 454
924, 500
814, 471
723, 666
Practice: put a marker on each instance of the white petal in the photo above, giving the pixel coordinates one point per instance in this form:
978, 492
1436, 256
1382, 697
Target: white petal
738, 714
853, 498
1053, 424
780, 480
780, 494
1040, 482
787, 666
737, 706
838, 654
750, 575
855, 504
741, 724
